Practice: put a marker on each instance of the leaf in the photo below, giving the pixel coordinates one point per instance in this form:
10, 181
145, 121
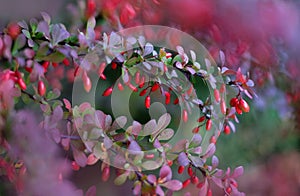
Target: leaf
55, 57
197, 161
166, 134
58, 33
163, 121
174, 185
79, 157
46, 17
148, 49
179, 146
238, 172
150, 165
91, 23
147, 65
136, 128
26, 33
165, 172
215, 161
193, 55
121, 179
95, 133
210, 150
183, 159
149, 128
114, 39
222, 57
196, 140
119, 122
91, 191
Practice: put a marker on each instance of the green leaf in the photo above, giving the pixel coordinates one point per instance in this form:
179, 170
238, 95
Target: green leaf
26, 33
53, 94
150, 165
131, 62
56, 57
121, 179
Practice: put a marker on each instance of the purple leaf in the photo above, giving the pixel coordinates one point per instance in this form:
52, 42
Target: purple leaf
210, 150
196, 140
166, 134
183, 159
134, 147
179, 146
136, 128
215, 161
165, 172
238, 172
79, 157
163, 121
91, 191
173, 185
203, 189
222, 57
159, 191
151, 178
217, 181
59, 33
137, 188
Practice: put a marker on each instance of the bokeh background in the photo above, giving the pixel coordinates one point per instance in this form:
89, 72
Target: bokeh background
267, 141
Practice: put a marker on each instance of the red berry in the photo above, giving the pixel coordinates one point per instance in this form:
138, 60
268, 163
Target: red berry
120, 86
190, 90
13, 29
223, 106
102, 76
101, 68
213, 140
45, 66
201, 119
149, 156
190, 171
143, 92
222, 88
186, 183
217, 95
28, 69
75, 166
54, 64
194, 179
105, 174
200, 185
107, 91
22, 84
243, 105
234, 183
142, 82
170, 162
66, 62
133, 88
90, 8
228, 190
87, 84
208, 124
227, 130
114, 65
185, 116
238, 110
209, 192
176, 101
41, 88
147, 102
137, 77
168, 97
155, 87
180, 169
196, 130
233, 102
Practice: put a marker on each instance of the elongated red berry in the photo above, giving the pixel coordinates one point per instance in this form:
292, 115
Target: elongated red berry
229, 190
201, 119
107, 91
149, 156
142, 82
13, 29
194, 179
226, 130
200, 185
222, 88
54, 64
238, 110
155, 87
75, 166
190, 171
45, 66
196, 130
101, 68
234, 101
209, 192
22, 84
190, 90
103, 77
217, 95
41, 88
208, 124
87, 84
132, 87
176, 101
137, 77
180, 169
105, 174
168, 97
244, 105
185, 116
66, 62
213, 139
186, 183
143, 92
147, 102
114, 65
120, 86
223, 106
